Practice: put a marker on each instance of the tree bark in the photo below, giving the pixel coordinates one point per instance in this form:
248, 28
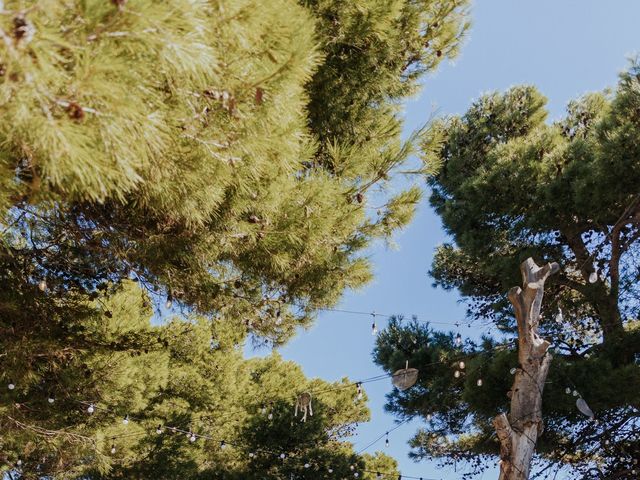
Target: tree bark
518, 432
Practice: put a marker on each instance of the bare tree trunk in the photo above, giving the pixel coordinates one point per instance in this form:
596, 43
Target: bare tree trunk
519, 431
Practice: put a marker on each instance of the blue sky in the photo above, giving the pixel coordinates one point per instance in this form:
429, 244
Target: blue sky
565, 48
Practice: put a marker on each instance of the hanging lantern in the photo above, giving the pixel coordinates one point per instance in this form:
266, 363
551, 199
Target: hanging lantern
405, 378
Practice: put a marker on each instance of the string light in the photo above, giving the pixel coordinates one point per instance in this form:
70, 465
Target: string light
113, 448
458, 340
358, 391
567, 391
374, 329
593, 276
223, 444
456, 374
513, 371
51, 399
125, 420
278, 317
193, 437
19, 462
270, 416
263, 409
386, 440
306, 465
11, 385
169, 303
42, 285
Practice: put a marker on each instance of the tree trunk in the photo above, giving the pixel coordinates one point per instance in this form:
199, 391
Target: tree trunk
519, 431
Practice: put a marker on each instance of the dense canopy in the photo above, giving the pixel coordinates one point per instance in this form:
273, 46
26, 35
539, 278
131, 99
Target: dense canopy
511, 185
207, 162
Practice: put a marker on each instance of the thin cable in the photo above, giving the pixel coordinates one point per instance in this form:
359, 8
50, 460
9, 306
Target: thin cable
383, 435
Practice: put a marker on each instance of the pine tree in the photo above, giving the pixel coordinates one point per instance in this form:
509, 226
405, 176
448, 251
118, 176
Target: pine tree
140, 390
182, 145
509, 185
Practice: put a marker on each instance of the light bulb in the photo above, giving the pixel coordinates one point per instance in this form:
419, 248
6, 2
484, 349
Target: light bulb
330, 470
270, 416
567, 391
352, 467
513, 371
356, 474
263, 410
386, 441
456, 374
91, 408
19, 462
223, 445
169, 303
192, 438
575, 393
159, 429
458, 340
125, 420
429, 417
113, 449
593, 277
479, 382
461, 365
378, 475
251, 455
374, 329
51, 399
282, 456
11, 386
306, 465
42, 285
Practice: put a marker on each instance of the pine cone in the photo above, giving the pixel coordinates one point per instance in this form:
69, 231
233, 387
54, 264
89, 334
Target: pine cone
75, 111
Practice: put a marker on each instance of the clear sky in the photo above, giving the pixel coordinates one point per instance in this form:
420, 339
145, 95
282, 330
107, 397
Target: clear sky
565, 48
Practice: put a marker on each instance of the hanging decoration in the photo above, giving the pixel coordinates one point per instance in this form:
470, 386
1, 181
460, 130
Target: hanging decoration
405, 378
304, 405
584, 408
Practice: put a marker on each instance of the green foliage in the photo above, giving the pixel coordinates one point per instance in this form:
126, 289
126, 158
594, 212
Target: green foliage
179, 379
219, 154
177, 143
509, 185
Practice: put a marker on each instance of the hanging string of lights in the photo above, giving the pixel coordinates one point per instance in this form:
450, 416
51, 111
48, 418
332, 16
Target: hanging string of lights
458, 364
222, 443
